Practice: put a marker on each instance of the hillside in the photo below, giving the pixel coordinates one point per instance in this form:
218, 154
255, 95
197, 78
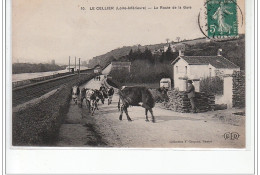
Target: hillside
234, 50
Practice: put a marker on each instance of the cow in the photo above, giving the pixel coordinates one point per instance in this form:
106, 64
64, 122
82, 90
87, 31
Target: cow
103, 90
75, 91
110, 94
139, 96
92, 96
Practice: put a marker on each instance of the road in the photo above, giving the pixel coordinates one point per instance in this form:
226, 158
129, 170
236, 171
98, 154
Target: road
171, 130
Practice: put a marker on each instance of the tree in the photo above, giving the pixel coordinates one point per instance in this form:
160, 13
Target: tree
167, 40
131, 55
148, 54
178, 39
138, 47
168, 53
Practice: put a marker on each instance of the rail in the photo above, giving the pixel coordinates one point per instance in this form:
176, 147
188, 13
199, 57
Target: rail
32, 81
38, 79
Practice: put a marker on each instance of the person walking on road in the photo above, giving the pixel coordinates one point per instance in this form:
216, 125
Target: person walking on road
191, 96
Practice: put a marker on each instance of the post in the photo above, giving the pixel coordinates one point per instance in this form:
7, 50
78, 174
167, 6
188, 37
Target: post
75, 64
69, 63
79, 67
228, 92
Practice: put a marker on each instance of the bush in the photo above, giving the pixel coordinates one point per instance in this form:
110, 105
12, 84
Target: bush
212, 85
142, 71
121, 75
39, 125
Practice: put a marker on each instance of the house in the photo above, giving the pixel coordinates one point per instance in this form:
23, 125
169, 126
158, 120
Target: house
107, 69
198, 67
97, 69
118, 65
175, 47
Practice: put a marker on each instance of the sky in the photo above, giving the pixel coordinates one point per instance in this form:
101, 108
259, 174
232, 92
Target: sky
43, 30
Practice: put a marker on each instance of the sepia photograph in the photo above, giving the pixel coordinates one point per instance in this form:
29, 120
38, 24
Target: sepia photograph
128, 74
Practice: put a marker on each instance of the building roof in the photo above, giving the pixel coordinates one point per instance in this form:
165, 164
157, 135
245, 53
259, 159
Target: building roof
215, 61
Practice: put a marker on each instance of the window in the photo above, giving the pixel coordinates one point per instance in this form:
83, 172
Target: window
186, 70
177, 71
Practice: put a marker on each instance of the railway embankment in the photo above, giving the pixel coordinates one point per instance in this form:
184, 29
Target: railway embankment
39, 124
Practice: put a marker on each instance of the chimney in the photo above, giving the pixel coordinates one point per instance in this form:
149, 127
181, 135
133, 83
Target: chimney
181, 53
219, 52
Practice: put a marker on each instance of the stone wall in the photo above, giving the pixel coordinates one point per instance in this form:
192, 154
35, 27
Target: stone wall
239, 89
179, 101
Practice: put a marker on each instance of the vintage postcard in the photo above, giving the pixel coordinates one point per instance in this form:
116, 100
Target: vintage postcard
129, 74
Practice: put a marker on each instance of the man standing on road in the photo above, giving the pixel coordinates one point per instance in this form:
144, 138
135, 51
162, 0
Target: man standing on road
191, 96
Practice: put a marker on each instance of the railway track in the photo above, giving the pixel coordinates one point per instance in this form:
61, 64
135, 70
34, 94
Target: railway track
22, 95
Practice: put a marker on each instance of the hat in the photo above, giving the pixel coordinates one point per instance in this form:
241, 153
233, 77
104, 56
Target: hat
189, 81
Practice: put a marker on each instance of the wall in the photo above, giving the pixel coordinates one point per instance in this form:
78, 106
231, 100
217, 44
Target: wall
228, 71
178, 83
121, 65
199, 71
227, 95
239, 89
107, 70
179, 102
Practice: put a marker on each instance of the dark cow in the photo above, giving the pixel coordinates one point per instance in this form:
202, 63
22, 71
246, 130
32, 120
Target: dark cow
103, 90
140, 96
110, 94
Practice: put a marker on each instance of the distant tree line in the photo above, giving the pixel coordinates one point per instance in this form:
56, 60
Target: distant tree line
146, 55
32, 68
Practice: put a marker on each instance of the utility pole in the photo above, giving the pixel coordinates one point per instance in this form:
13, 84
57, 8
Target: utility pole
79, 67
69, 63
75, 64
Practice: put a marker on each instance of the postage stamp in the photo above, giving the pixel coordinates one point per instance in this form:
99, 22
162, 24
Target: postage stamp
222, 18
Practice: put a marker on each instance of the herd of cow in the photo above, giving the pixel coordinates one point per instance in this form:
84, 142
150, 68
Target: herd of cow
129, 96
92, 96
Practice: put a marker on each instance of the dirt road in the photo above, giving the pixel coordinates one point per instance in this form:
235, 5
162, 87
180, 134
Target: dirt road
171, 130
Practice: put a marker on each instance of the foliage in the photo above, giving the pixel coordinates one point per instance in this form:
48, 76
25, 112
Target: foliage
212, 85
39, 123
120, 75
233, 50
142, 71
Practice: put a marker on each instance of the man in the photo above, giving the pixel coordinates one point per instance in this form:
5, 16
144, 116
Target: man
191, 96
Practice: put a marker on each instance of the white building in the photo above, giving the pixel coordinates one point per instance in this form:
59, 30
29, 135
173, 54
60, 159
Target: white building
97, 69
118, 65
198, 67
174, 47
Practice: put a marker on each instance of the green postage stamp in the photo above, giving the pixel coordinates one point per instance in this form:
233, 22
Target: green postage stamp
222, 18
